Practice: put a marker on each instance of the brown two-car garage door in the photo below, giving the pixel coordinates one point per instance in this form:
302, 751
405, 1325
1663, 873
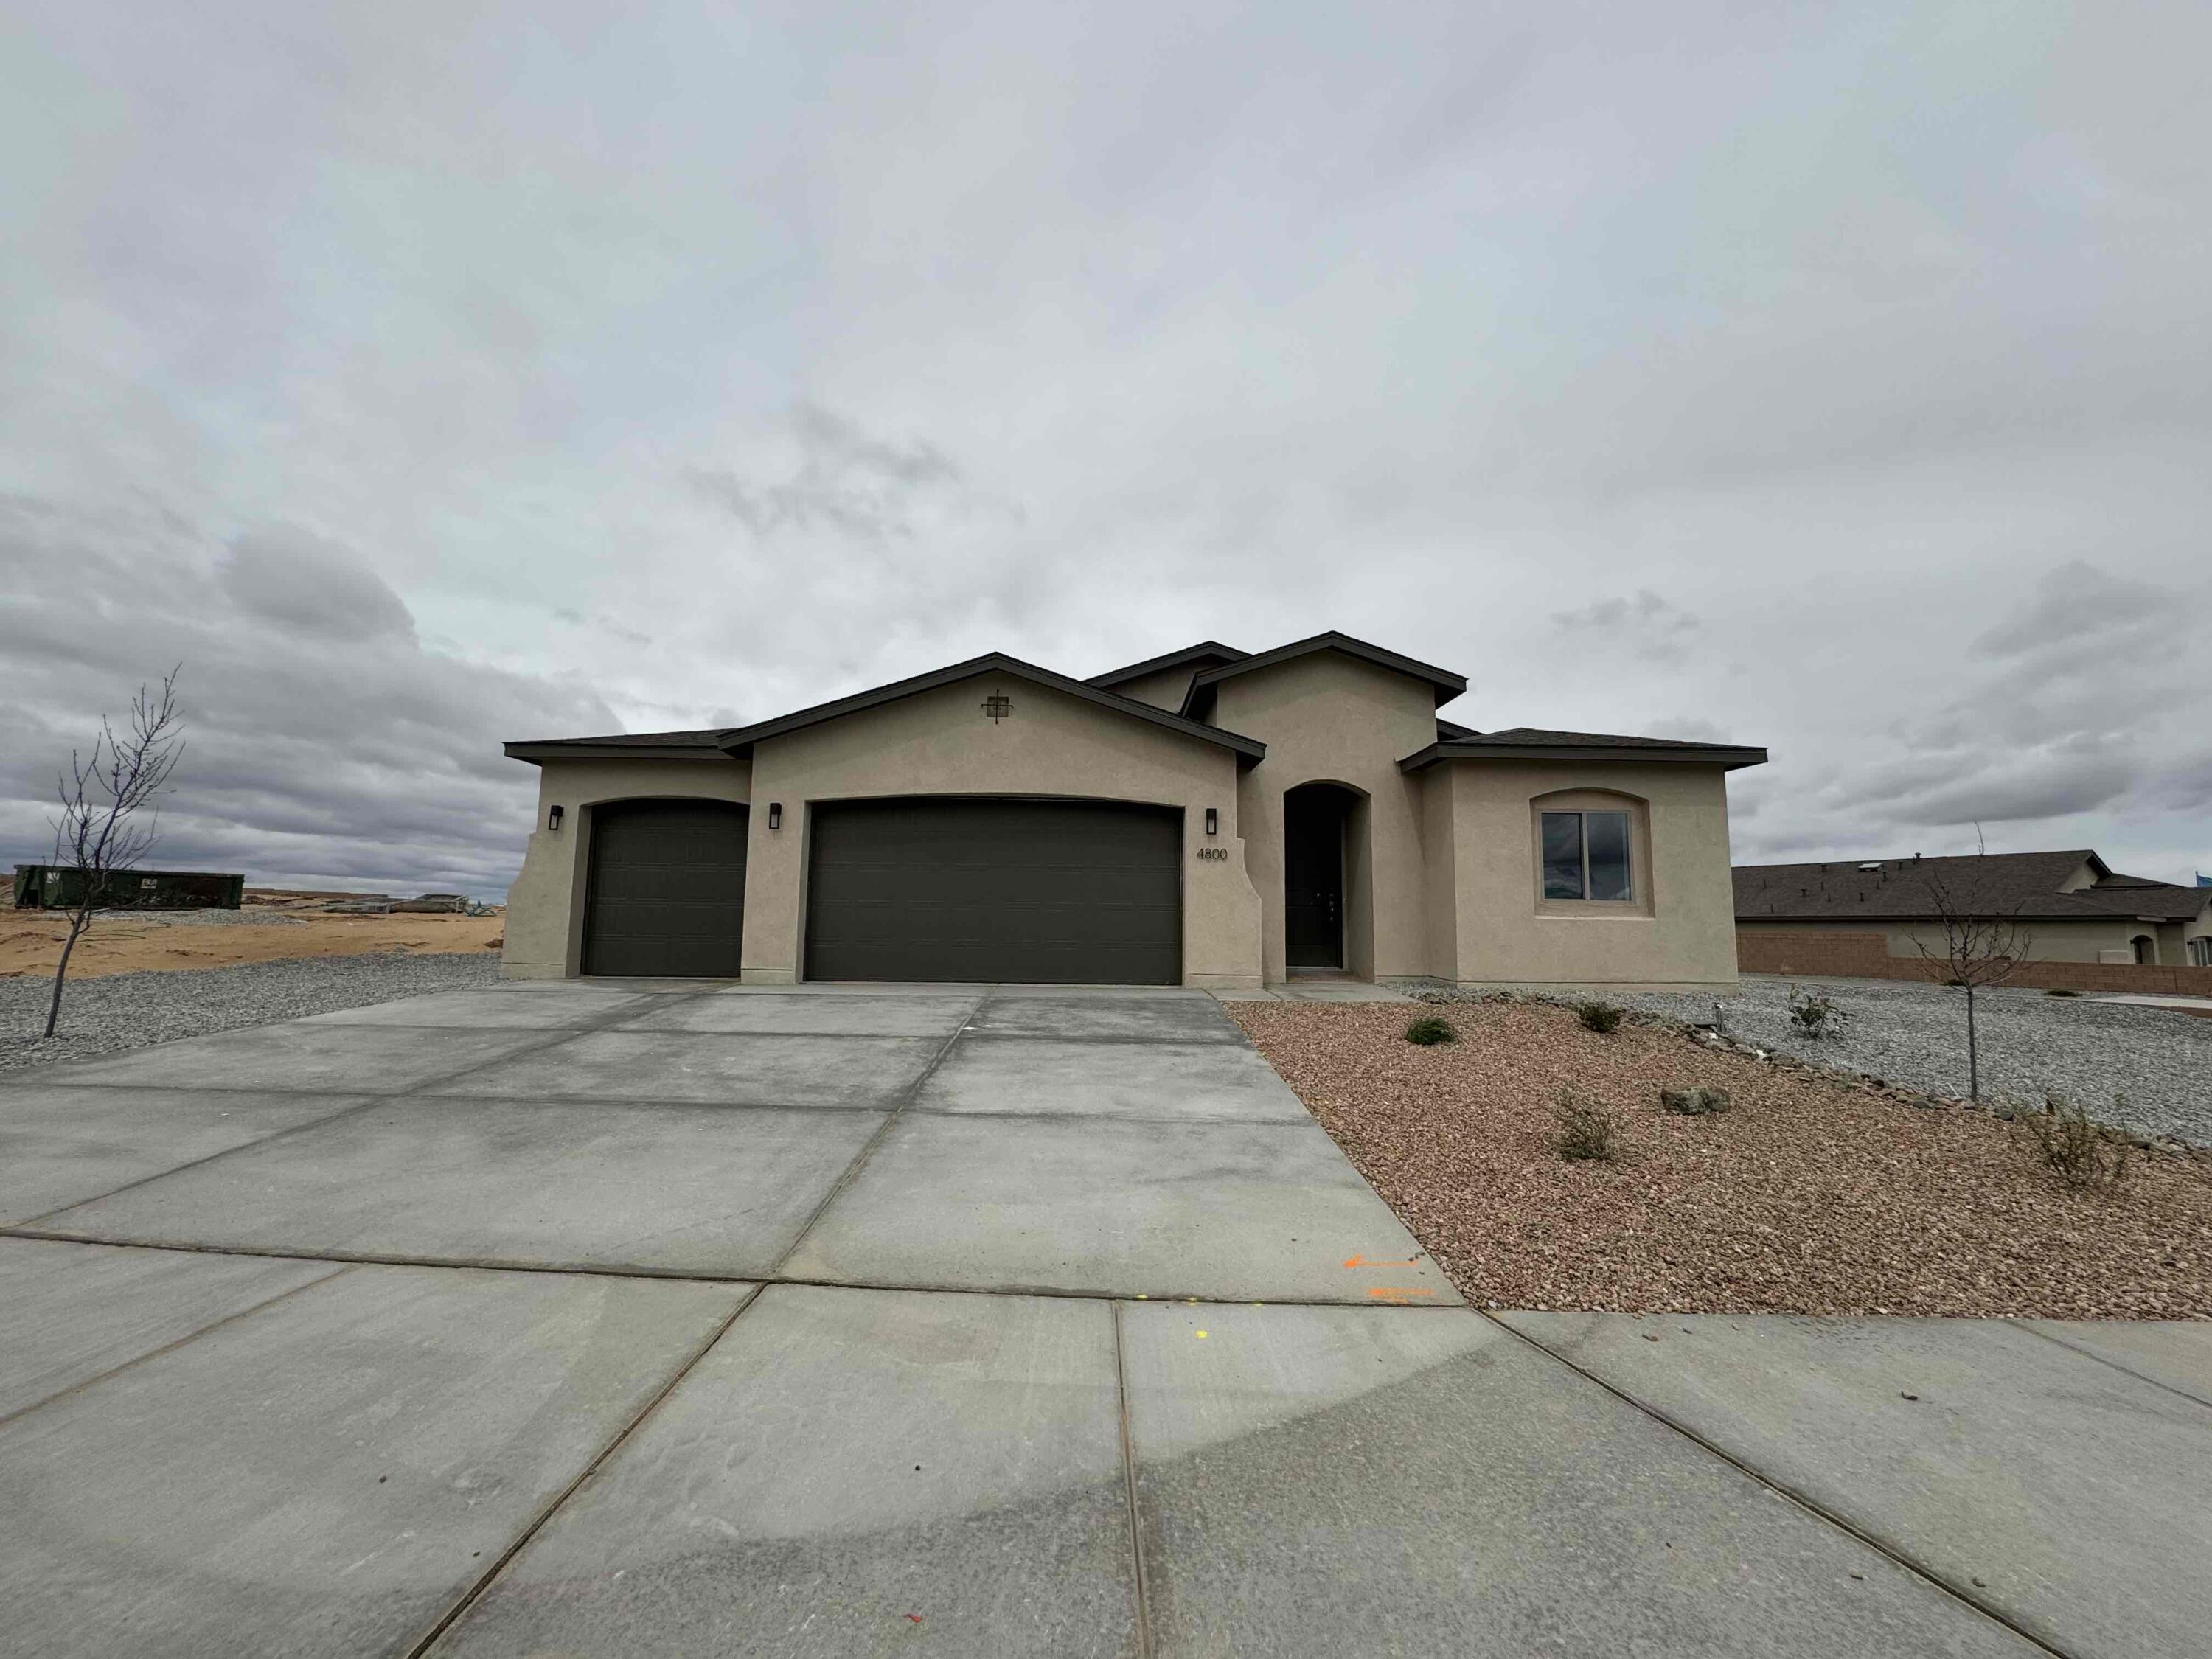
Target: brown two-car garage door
985, 888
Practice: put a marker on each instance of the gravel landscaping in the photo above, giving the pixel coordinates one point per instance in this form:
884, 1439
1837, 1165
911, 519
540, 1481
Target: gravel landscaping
2031, 1041
1810, 1195
129, 1011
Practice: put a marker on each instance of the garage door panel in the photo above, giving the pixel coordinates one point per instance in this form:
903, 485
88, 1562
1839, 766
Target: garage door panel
1066, 888
665, 896
978, 889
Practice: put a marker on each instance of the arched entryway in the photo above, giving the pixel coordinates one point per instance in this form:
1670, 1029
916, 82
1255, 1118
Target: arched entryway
2146, 949
1317, 821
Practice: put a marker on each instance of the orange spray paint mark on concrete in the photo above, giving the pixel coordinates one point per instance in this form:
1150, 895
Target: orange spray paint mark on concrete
1362, 1261
1399, 1291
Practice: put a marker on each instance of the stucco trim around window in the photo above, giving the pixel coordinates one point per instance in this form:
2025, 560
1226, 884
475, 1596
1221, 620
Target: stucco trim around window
1640, 905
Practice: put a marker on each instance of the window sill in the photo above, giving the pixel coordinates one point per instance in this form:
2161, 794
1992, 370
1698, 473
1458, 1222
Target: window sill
1592, 910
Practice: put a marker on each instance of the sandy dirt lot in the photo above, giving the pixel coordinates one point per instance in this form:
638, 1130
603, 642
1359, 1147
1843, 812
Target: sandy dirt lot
279, 928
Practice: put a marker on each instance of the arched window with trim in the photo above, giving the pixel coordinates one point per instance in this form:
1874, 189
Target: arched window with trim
1592, 853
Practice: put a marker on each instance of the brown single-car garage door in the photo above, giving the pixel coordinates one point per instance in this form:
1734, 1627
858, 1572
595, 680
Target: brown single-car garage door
666, 895
984, 888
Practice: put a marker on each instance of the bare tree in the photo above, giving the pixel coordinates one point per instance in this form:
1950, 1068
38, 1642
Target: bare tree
109, 817
1982, 945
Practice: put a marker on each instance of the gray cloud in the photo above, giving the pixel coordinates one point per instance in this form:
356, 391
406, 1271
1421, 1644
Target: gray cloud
1836, 379
837, 478
323, 745
1651, 629
301, 582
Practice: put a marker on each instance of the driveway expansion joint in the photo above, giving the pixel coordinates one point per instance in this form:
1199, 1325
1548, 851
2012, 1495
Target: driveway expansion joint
469, 1597
2033, 1329
1129, 1491
557, 1036
1811, 1506
907, 1097
171, 1346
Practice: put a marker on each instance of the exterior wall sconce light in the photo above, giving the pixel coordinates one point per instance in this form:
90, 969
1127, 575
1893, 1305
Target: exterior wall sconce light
776, 815
553, 819
1213, 820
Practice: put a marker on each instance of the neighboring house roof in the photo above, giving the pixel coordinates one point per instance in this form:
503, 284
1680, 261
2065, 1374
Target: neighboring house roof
739, 739
1206, 653
1529, 743
2023, 884
1199, 700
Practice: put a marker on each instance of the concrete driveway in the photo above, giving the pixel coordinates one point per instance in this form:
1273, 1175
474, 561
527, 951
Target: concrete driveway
662, 1319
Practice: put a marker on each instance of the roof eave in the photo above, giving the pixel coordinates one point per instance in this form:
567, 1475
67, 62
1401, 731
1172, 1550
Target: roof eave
1446, 684
538, 753
1728, 757
1204, 651
1247, 749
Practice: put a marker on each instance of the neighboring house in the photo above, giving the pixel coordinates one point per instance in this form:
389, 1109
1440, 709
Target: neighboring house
1210, 817
2070, 905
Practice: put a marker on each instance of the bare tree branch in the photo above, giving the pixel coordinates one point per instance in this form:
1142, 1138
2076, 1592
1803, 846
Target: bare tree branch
110, 811
1982, 946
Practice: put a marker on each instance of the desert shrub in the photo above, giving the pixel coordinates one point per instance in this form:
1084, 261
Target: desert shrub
1600, 1017
1694, 1102
1817, 1015
1431, 1030
2062, 992
2074, 1147
1587, 1128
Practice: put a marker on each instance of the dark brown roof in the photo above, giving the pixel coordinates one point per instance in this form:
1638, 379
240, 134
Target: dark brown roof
1206, 653
2025, 884
1529, 743
993, 662
706, 745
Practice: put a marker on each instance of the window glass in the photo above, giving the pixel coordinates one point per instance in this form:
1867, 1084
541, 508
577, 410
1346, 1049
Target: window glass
1607, 833
1563, 855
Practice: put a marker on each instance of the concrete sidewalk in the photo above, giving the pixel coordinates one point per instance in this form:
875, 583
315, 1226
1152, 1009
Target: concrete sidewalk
657, 1319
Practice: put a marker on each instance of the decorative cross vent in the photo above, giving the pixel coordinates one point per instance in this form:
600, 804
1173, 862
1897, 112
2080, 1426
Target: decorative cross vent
998, 706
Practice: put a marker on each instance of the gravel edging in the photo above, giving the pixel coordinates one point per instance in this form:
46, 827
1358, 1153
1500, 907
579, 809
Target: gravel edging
132, 1011
1912, 1036
1813, 1194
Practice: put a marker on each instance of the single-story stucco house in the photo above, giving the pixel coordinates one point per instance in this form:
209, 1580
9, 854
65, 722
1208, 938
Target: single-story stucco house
2069, 906
1210, 817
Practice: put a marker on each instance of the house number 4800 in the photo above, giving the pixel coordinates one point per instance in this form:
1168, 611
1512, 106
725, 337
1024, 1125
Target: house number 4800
1211, 853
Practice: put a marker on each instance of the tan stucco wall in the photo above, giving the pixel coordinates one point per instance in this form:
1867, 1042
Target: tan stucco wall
939, 743
1679, 932
544, 930
1442, 866
2047, 941
1332, 718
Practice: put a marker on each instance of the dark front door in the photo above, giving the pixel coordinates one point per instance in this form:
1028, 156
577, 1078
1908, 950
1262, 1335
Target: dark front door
1313, 878
987, 888
665, 896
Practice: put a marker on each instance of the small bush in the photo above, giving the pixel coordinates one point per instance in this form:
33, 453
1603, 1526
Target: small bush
2074, 1147
1817, 1015
1600, 1017
2061, 993
1587, 1128
1694, 1102
1429, 1030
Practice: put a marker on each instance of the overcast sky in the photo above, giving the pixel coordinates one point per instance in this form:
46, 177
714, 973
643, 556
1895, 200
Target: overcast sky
1833, 377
